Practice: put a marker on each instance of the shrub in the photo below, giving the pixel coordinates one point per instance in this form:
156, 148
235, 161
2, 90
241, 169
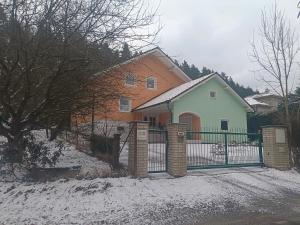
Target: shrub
38, 153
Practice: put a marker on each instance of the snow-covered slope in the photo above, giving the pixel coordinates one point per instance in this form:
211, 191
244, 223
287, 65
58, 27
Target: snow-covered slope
90, 166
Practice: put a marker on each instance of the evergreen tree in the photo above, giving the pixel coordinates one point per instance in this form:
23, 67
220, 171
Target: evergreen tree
126, 53
224, 76
176, 62
205, 71
193, 72
135, 54
297, 91
185, 67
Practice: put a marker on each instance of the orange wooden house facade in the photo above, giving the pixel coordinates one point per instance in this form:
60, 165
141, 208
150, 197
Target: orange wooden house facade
142, 78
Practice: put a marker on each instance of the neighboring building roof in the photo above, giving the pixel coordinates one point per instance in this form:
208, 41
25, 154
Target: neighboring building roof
258, 99
262, 95
162, 56
252, 101
180, 90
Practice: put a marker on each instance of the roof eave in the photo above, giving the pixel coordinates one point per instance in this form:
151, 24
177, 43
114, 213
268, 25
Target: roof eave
247, 106
147, 107
177, 70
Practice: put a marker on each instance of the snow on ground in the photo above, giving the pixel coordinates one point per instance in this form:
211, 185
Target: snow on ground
124, 154
90, 166
3, 139
139, 201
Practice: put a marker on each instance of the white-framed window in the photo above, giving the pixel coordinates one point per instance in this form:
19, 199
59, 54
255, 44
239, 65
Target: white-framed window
213, 94
125, 104
224, 125
130, 79
151, 83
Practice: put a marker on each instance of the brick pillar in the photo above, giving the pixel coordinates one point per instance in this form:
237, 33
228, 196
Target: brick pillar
177, 163
138, 149
275, 147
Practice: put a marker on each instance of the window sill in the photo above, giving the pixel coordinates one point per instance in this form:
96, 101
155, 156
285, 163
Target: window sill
130, 85
151, 89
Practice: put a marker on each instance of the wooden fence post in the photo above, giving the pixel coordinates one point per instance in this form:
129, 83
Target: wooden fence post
116, 151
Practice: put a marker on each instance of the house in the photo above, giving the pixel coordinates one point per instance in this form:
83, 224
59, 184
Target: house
158, 91
264, 103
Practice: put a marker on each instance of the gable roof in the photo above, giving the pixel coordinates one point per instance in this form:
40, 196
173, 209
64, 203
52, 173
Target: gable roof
174, 93
262, 95
253, 101
162, 56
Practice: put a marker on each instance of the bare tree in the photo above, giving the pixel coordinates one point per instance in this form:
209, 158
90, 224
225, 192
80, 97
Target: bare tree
275, 54
50, 50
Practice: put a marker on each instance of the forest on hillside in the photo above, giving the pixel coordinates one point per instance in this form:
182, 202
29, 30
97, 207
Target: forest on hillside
194, 72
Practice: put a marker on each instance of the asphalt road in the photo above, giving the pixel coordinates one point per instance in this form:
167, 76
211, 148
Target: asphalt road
253, 219
283, 211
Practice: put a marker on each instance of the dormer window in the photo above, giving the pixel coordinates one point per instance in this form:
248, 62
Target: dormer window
130, 80
151, 83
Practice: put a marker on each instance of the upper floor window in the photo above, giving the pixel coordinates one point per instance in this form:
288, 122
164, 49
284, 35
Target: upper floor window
125, 104
130, 80
151, 83
212, 94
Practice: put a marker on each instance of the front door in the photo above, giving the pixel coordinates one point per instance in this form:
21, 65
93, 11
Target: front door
187, 119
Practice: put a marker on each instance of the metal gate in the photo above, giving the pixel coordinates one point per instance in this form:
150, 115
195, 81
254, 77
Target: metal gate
223, 149
157, 151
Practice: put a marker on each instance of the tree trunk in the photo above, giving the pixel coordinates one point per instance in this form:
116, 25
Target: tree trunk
54, 132
16, 148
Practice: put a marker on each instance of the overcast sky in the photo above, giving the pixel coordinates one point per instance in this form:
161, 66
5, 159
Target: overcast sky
216, 33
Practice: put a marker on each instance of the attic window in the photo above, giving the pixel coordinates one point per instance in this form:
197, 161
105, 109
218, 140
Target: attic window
151, 83
130, 80
212, 94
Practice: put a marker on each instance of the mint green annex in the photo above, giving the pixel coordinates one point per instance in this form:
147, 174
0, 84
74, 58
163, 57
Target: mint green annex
205, 104
212, 110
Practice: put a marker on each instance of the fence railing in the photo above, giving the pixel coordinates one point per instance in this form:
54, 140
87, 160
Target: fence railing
222, 149
157, 150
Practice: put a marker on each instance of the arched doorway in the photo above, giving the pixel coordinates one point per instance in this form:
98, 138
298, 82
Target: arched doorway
192, 120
